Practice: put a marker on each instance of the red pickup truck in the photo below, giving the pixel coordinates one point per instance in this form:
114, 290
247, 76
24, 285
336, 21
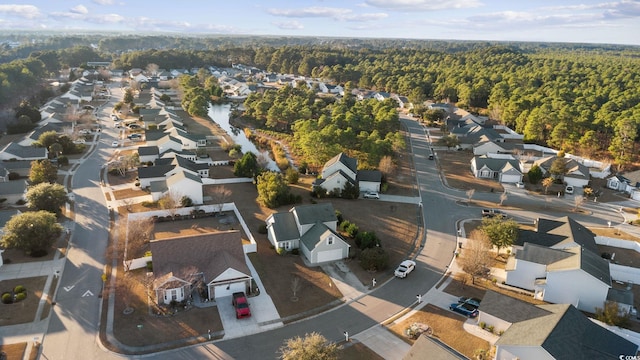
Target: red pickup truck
241, 304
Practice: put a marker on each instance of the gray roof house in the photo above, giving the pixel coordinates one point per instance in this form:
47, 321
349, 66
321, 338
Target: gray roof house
577, 174
14, 151
342, 169
505, 170
560, 265
311, 228
213, 263
556, 331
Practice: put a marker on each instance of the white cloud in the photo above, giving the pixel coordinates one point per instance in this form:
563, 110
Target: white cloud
24, 11
423, 5
79, 9
340, 14
289, 25
108, 19
104, 2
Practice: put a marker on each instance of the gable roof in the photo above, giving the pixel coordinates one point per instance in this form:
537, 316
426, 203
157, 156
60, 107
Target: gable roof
349, 162
542, 254
314, 236
566, 333
508, 308
25, 152
495, 164
310, 214
147, 150
181, 175
284, 226
559, 233
369, 175
210, 254
146, 172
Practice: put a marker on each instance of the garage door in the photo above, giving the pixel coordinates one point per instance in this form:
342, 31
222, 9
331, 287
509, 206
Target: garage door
329, 255
222, 291
508, 179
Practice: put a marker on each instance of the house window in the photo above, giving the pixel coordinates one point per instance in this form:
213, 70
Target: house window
330, 240
174, 294
287, 245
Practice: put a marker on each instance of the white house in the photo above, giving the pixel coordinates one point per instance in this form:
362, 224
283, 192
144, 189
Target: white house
311, 228
341, 170
550, 331
576, 175
178, 183
560, 263
619, 183
505, 170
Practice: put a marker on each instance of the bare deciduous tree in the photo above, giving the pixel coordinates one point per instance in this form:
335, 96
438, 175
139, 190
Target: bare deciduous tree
503, 198
386, 165
470, 193
476, 259
170, 202
295, 287
138, 234
220, 195
577, 202
547, 182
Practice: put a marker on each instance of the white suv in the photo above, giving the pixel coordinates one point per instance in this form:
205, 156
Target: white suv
371, 195
568, 190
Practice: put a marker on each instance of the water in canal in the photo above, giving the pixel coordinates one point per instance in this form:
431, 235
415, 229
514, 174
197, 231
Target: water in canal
220, 114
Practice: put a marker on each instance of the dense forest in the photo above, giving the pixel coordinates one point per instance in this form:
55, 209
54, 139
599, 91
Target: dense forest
582, 98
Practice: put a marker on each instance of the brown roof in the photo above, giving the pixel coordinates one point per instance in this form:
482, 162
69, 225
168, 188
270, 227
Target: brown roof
209, 254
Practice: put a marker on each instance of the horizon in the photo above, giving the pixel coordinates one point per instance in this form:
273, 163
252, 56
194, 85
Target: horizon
543, 21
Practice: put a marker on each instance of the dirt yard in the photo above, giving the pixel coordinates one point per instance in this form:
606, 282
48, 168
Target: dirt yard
447, 327
456, 166
24, 311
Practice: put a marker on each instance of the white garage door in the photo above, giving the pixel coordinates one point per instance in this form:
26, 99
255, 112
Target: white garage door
222, 291
510, 179
330, 255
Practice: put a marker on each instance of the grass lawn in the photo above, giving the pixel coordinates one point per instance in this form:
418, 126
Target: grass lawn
23, 311
128, 193
447, 327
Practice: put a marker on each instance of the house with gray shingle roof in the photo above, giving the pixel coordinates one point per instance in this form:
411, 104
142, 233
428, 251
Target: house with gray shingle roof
148, 174
148, 153
14, 151
576, 173
212, 266
504, 169
178, 183
559, 331
342, 169
311, 228
559, 263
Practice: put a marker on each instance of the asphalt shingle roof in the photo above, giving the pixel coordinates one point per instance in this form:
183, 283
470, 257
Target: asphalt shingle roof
310, 214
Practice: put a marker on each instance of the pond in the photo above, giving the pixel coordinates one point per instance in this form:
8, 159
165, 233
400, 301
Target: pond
219, 113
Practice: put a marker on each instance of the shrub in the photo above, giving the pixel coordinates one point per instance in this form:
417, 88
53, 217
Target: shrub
374, 259
490, 328
344, 224
262, 229
7, 298
281, 251
21, 202
352, 230
19, 289
186, 201
367, 239
21, 296
63, 160
150, 265
295, 252
137, 183
482, 324
339, 216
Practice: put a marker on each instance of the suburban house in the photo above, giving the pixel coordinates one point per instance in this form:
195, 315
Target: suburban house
559, 262
342, 169
148, 153
550, 331
619, 183
14, 151
179, 184
505, 169
13, 191
213, 263
577, 174
310, 228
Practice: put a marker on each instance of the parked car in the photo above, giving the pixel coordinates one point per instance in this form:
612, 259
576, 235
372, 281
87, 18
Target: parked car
371, 195
241, 304
405, 268
431, 156
134, 136
133, 126
489, 213
568, 189
465, 309
114, 117
115, 143
520, 185
469, 300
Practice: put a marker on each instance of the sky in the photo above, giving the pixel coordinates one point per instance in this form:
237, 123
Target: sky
585, 21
